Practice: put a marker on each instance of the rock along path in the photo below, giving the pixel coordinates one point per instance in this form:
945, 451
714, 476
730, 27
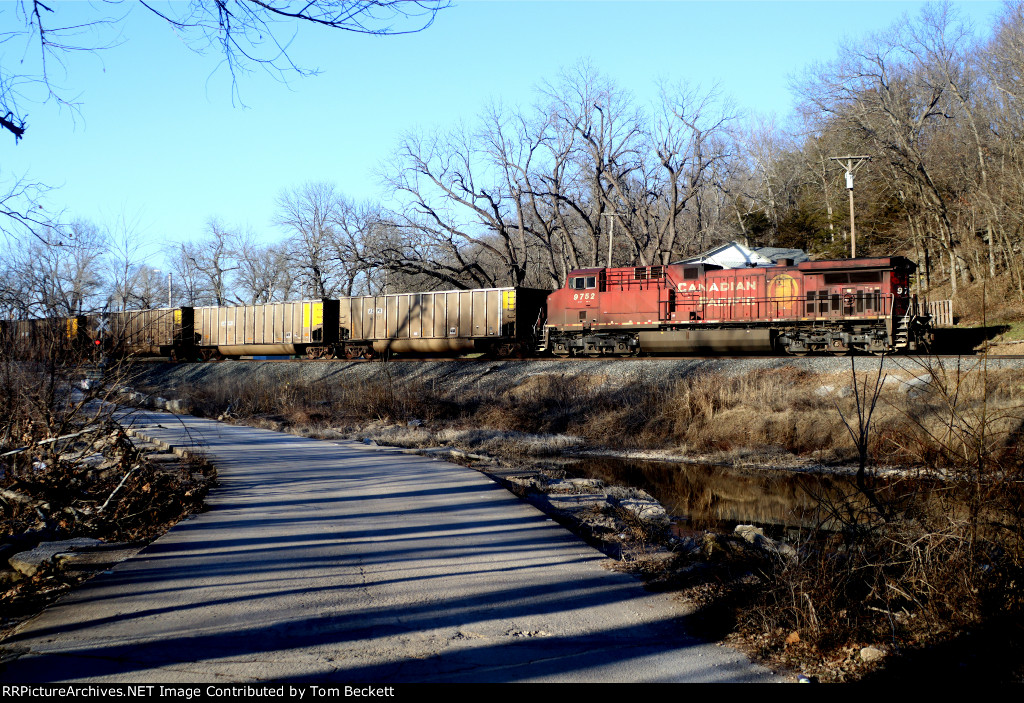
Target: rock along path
335, 562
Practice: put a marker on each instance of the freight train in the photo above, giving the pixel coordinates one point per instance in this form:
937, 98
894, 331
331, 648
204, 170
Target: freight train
839, 307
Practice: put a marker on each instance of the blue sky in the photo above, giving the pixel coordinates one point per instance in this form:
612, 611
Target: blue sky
159, 143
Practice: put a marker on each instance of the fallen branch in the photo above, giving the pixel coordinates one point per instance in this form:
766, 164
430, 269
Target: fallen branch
114, 492
46, 441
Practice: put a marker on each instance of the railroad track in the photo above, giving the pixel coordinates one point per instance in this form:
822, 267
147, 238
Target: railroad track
550, 359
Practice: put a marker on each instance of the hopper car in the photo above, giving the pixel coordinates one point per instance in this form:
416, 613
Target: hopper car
53, 337
158, 332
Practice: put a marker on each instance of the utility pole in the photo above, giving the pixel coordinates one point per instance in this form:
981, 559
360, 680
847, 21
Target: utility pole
851, 166
611, 233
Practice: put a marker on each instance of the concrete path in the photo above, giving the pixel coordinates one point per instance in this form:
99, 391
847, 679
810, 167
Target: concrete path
335, 562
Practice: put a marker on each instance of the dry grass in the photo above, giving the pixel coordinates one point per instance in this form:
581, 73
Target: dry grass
795, 412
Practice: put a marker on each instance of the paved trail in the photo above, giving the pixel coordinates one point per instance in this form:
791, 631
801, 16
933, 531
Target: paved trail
335, 562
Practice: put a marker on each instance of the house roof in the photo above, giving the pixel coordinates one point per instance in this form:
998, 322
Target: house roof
729, 255
776, 253
735, 255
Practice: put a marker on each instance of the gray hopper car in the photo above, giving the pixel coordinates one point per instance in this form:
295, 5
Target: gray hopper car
160, 332
491, 320
306, 327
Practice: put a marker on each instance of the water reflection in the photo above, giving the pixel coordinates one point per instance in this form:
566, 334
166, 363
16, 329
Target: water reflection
701, 496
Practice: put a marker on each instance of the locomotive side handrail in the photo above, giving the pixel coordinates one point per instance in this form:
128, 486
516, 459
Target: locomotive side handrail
630, 278
774, 308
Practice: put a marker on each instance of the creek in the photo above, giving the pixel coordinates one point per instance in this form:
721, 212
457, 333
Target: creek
706, 496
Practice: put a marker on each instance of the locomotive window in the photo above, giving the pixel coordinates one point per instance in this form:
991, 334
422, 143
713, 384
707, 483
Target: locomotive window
832, 279
582, 282
866, 277
639, 273
690, 274
657, 272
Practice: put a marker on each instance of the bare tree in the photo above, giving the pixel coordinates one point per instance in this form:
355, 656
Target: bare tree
247, 34
258, 270
309, 215
40, 40
215, 258
606, 132
1002, 61
76, 265
286, 285
189, 284
450, 215
691, 140
880, 89
360, 232
55, 273
525, 196
124, 258
149, 288
21, 208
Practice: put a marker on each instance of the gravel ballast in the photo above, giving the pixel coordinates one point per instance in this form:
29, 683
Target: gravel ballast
498, 376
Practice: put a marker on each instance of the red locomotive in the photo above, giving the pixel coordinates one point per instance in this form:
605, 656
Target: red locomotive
837, 306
